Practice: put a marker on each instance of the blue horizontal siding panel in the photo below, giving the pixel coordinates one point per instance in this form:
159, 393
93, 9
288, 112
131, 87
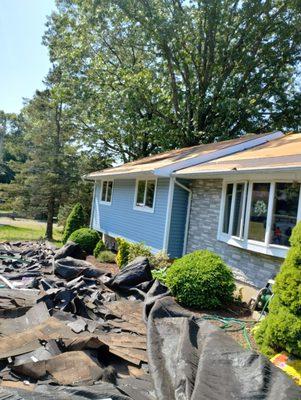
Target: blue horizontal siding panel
120, 218
178, 222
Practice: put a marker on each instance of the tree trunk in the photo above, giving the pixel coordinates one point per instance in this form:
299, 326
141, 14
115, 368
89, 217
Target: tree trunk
50, 215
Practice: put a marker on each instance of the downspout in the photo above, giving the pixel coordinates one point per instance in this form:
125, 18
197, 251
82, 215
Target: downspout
168, 214
187, 214
92, 209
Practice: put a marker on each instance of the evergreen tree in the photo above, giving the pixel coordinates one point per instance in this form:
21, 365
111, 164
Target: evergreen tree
281, 329
75, 221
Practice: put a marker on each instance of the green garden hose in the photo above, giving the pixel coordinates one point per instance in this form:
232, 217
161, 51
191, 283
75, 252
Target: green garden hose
229, 323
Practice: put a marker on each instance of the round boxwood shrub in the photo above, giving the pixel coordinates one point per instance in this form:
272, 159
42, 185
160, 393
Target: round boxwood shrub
201, 279
87, 239
98, 248
75, 220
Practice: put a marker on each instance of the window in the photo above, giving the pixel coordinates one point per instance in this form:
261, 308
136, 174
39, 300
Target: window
259, 211
145, 195
228, 204
106, 191
260, 216
284, 212
237, 229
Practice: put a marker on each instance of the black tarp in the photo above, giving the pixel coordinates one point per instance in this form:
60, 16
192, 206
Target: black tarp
191, 359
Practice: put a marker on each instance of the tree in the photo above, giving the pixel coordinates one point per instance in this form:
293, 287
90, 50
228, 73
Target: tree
12, 149
147, 75
75, 220
281, 329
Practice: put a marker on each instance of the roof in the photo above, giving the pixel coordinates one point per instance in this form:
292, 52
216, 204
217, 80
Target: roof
164, 164
283, 153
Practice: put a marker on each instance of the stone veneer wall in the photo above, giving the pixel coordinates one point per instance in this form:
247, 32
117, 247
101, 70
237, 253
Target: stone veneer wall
252, 268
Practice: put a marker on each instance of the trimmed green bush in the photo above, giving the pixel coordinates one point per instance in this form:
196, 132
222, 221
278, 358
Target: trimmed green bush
98, 248
75, 220
201, 279
106, 256
281, 329
123, 252
87, 239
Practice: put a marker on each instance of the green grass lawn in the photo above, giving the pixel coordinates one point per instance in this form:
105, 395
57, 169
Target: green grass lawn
21, 229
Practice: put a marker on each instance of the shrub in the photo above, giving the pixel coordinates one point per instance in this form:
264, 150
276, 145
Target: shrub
98, 248
123, 252
295, 239
87, 239
160, 274
281, 329
201, 279
157, 261
75, 220
106, 256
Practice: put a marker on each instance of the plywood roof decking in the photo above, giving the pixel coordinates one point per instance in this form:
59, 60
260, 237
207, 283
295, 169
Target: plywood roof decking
283, 153
168, 158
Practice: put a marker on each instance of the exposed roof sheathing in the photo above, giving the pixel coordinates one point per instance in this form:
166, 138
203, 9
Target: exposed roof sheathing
152, 164
283, 153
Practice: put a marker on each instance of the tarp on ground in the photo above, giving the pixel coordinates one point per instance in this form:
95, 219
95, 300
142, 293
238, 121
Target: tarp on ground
191, 359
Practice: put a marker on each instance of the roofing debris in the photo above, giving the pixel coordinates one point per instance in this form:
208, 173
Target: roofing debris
69, 329
61, 323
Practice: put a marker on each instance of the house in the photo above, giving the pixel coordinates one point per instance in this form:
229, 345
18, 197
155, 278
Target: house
239, 198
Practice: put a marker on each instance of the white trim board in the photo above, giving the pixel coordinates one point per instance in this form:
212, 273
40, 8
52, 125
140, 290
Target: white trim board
168, 213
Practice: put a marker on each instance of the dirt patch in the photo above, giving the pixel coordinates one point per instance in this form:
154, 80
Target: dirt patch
111, 268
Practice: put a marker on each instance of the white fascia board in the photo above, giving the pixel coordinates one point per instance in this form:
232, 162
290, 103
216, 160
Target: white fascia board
233, 173
123, 175
168, 170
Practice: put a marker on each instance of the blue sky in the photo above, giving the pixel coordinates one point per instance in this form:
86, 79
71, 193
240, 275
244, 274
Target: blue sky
24, 60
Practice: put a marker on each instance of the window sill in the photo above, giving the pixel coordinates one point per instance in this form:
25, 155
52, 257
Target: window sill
106, 203
256, 247
144, 209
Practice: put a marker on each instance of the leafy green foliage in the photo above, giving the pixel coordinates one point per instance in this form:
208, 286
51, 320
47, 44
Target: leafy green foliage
122, 257
295, 239
98, 248
201, 279
179, 72
281, 329
160, 274
87, 239
107, 256
158, 260
75, 220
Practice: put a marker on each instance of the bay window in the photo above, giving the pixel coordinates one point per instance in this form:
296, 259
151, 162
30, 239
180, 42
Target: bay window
259, 216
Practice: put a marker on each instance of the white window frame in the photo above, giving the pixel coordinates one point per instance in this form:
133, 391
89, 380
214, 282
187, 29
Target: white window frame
105, 202
243, 241
145, 208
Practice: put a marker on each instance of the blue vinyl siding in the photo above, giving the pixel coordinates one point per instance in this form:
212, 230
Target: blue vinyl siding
120, 219
178, 222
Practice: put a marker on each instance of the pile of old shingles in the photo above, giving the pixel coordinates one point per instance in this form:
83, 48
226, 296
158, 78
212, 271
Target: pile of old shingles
61, 322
